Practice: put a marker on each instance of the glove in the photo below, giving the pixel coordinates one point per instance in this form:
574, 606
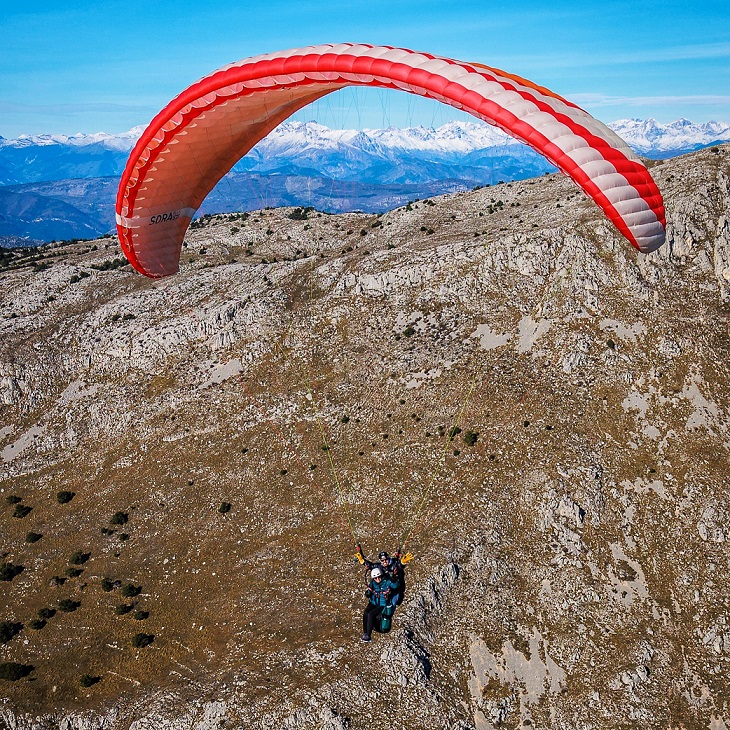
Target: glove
406, 558
359, 558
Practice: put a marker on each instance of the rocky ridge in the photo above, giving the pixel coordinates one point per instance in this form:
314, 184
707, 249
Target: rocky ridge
571, 559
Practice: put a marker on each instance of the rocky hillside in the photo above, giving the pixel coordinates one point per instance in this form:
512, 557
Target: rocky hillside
493, 375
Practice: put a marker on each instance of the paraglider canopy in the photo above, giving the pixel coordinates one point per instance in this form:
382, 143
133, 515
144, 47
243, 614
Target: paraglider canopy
198, 137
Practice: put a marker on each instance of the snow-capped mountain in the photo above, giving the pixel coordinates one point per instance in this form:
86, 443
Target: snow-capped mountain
369, 169
654, 139
123, 142
473, 152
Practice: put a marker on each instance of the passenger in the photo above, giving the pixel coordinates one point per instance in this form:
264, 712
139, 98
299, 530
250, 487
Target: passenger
380, 592
394, 568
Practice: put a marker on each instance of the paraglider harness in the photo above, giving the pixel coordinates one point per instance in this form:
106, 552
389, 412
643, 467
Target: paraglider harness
394, 571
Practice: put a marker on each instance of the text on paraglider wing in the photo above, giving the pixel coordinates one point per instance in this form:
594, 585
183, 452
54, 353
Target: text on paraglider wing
162, 217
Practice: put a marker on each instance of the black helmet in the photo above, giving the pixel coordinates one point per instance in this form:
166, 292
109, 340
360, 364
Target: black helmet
383, 555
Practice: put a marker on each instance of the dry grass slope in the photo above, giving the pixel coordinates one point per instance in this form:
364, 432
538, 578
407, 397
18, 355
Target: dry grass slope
571, 555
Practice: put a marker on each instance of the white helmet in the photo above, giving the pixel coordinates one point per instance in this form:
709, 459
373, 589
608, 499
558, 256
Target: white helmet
376, 573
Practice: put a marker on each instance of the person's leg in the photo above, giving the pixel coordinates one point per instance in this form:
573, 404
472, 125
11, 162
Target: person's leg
368, 620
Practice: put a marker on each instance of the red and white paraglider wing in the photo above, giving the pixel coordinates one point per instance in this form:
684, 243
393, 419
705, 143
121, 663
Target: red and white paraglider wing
198, 137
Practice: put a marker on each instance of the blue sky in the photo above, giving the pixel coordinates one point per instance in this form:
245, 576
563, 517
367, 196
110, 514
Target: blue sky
68, 67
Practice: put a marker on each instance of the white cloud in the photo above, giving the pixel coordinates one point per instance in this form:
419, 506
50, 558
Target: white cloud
590, 99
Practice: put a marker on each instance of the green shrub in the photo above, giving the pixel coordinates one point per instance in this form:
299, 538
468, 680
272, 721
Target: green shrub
470, 438
9, 630
119, 518
13, 499
47, 613
37, 624
110, 265
107, 531
456, 452
74, 572
75, 278
123, 608
68, 605
130, 590
33, 537
8, 571
455, 431
79, 558
140, 640
65, 497
22, 510
12, 671
141, 615
87, 680
123, 536
300, 214
107, 584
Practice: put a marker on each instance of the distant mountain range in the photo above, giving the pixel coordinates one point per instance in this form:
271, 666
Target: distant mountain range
57, 186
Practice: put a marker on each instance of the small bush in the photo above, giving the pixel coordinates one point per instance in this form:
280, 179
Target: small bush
107, 584
9, 630
611, 345
68, 605
345, 419
22, 510
123, 608
409, 332
74, 572
300, 214
8, 571
456, 452
119, 518
13, 499
141, 615
130, 590
123, 536
224, 507
33, 537
46, 613
454, 432
140, 640
87, 680
12, 671
470, 438
37, 624
79, 558
106, 531
65, 497
110, 265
